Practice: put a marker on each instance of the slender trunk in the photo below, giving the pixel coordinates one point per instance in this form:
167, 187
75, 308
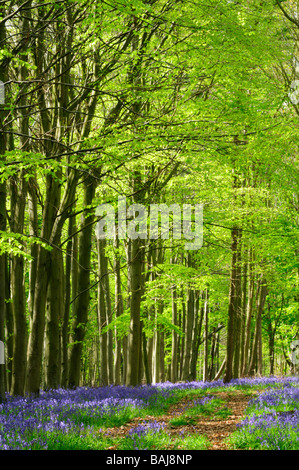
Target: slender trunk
238, 310
9, 323
118, 312
174, 349
105, 313
162, 355
81, 303
194, 351
233, 306
222, 367
102, 313
54, 312
243, 314
249, 309
66, 305
182, 323
33, 231
109, 320
206, 338
213, 353
156, 356
188, 335
136, 284
18, 200
271, 343
188, 329
197, 335
256, 356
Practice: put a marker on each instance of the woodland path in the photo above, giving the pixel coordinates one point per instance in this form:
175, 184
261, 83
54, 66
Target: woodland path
216, 428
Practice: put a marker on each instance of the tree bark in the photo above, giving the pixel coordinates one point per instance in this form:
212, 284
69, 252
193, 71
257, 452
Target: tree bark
174, 348
18, 200
136, 284
54, 312
206, 337
81, 302
233, 306
118, 312
102, 313
256, 356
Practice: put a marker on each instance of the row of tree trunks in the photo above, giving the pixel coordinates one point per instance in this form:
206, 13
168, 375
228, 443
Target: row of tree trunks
81, 302
247, 296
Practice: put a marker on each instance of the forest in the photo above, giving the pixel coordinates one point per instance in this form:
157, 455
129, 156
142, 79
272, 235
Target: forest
189, 107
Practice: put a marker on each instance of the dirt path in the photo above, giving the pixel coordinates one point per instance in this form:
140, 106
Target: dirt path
216, 428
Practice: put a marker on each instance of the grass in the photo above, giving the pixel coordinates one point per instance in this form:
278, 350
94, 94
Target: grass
208, 406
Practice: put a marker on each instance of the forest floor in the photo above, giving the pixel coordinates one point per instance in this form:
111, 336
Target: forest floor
248, 414
215, 427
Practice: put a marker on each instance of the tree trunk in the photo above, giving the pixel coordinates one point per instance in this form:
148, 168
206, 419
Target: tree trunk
136, 284
233, 306
18, 200
118, 312
188, 330
66, 304
105, 313
102, 313
200, 296
174, 348
256, 357
9, 324
81, 302
249, 309
238, 309
206, 338
54, 312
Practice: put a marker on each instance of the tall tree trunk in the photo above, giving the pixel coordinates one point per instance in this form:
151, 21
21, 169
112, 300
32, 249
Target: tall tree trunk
118, 312
18, 201
105, 312
182, 323
243, 312
54, 311
238, 310
256, 357
188, 335
249, 310
33, 232
102, 313
193, 359
81, 304
233, 305
9, 323
206, 337
174, 346
66, 304
136, 285
271, 341
200, 310
188, 328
